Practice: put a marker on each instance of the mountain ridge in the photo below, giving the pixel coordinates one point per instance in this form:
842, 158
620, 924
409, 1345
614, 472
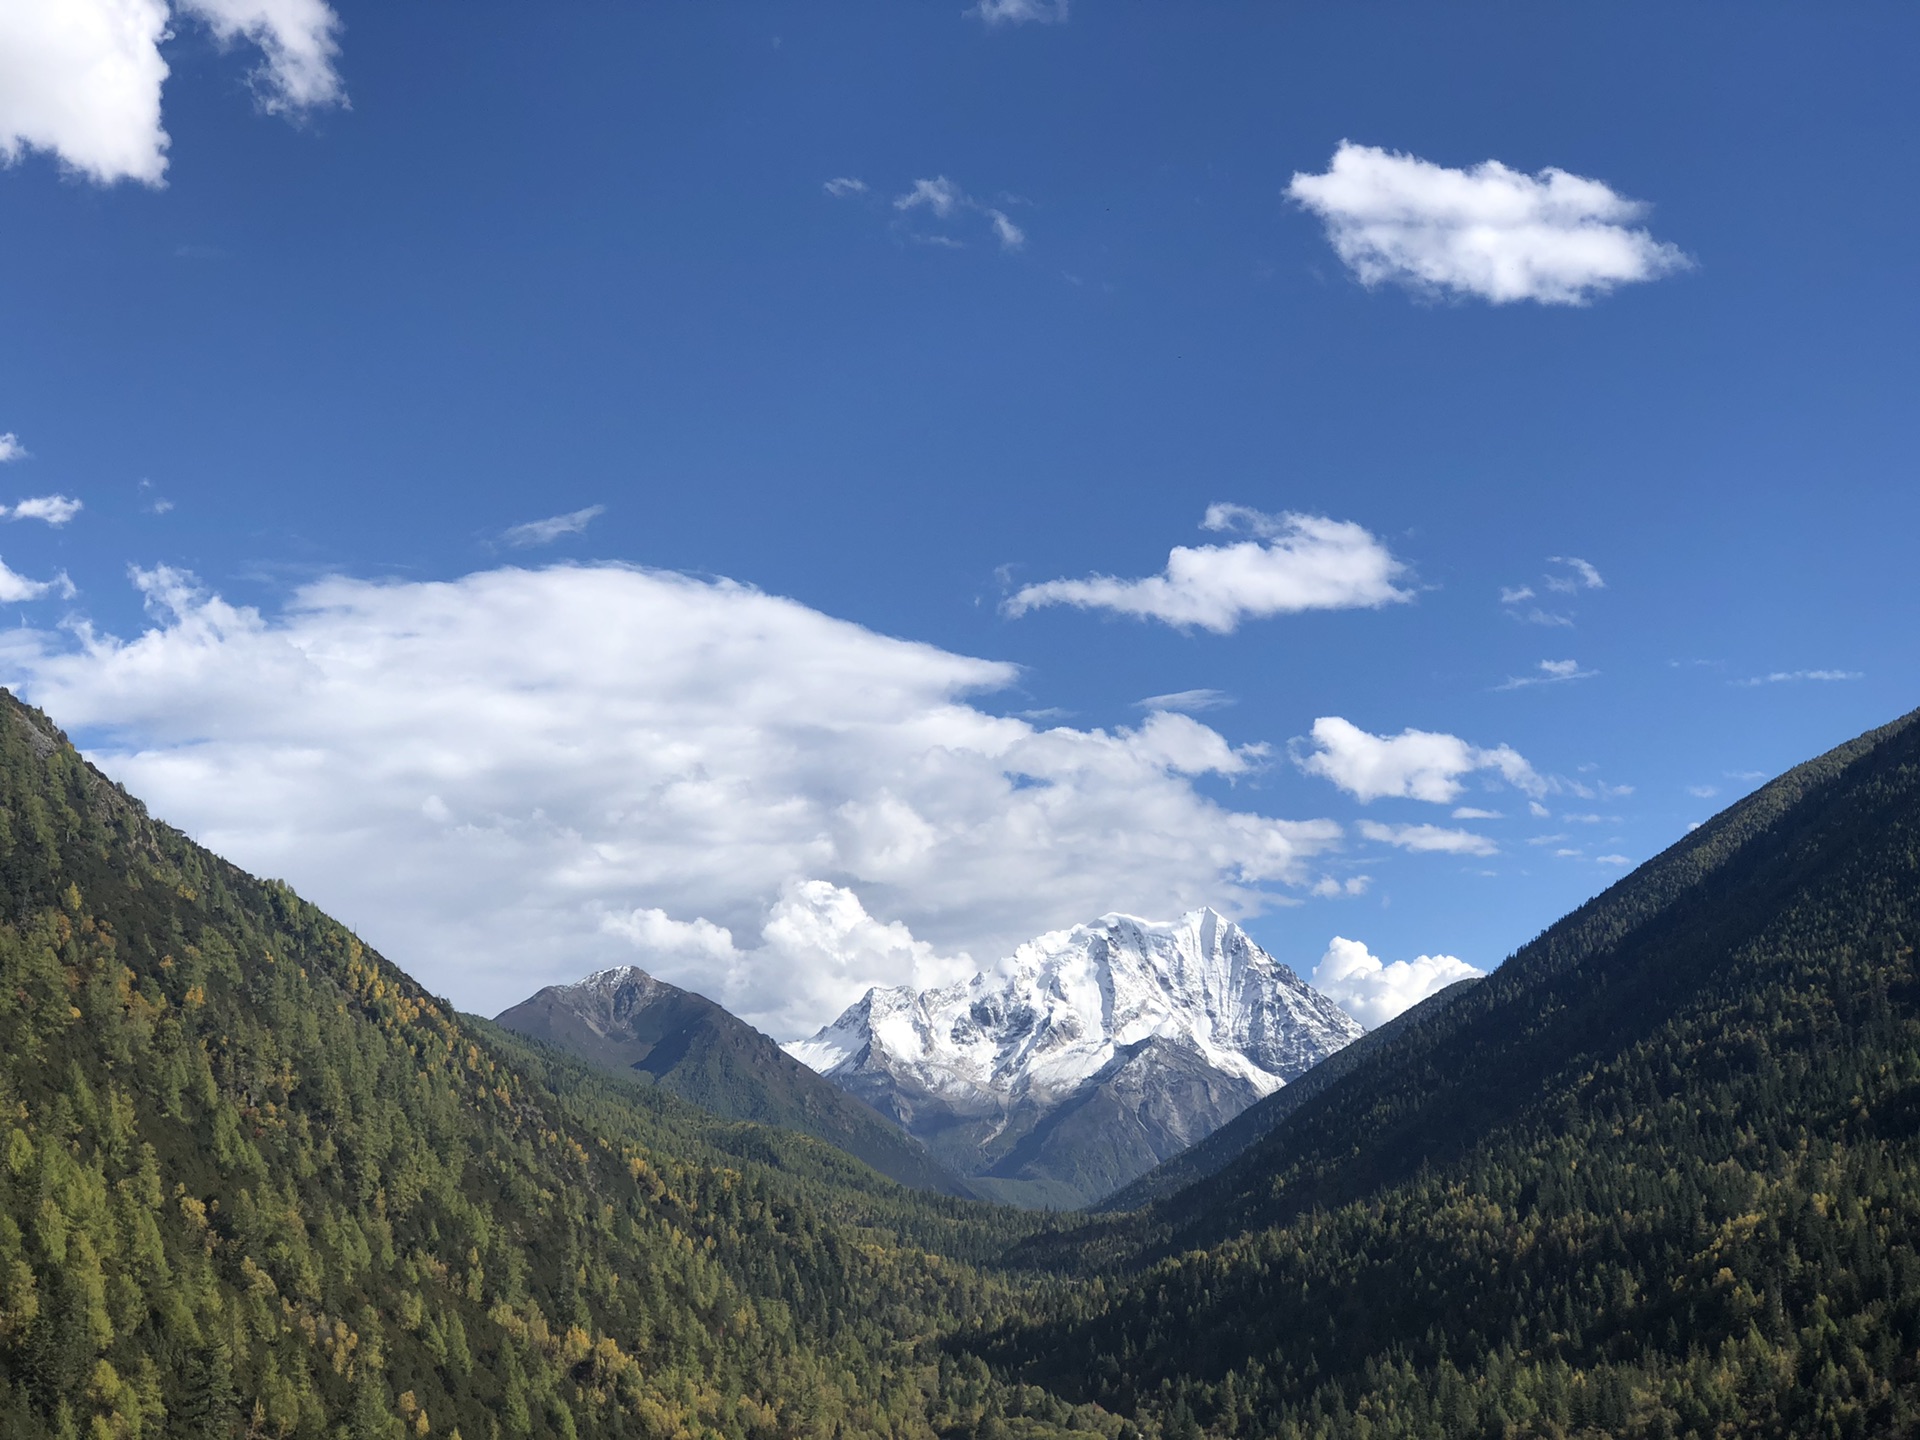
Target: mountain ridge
1087, 1057
635, 1024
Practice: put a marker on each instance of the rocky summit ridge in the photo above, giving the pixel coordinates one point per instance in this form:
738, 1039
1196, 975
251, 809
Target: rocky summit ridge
1087, 1057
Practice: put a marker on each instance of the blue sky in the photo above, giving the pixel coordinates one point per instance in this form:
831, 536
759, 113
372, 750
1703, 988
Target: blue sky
416, 275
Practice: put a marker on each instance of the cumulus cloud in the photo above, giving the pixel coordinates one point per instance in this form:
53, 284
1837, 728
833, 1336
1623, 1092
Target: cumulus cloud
554, 527
55, 510
1413, 765
1431, 839
1020, 12
81, 80
11, 448
1372, 992
1549, 672
816, 947
1490, 232
1289, 564
478, 773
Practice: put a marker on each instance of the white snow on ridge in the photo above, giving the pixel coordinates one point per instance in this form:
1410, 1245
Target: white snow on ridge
1061, 1008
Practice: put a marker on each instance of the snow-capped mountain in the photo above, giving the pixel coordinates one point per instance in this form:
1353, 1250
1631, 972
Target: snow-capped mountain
1088, 1057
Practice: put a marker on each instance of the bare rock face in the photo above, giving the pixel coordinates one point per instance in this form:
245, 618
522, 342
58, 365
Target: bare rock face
1088, 1057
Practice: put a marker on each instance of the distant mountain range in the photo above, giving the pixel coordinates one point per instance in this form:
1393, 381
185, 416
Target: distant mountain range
627, 1021
1089, 1057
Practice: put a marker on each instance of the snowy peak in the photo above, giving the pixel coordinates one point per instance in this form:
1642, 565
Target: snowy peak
982, 1062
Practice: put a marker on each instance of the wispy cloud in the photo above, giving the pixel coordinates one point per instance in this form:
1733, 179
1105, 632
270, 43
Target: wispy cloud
1794, 677
11, 448
299, 47
1552, 672
1290, 564
842, 186
55, 510
1583, 576
946, 201
1488, 232
1474, 812
554, 527
1413, 765
16, 588
1191, 701
1429, 838
993, 13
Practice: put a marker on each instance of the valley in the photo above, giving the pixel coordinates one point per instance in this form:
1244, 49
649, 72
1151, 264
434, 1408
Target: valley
1656, 1175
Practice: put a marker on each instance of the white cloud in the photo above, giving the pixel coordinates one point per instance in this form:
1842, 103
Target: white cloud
844, 185
554, 527
16, 588
1552, 672
1537, 810
1192, 701
817, 946
56, 510
81, 79
1584, 576
1292, 563
601, 740
1794, 677
1612, 860
944, 200
940, 195
1703, 792
1474, 812
1020, 12
11, 448
1413, 765
1010, 235
1513, 595
1372, 992
1429, 838
299, 45
1327, 887
1491, 232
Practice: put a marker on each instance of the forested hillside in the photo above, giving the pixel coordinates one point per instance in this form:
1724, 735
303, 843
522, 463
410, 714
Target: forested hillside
634, 1025
254, 1181
1659, 1174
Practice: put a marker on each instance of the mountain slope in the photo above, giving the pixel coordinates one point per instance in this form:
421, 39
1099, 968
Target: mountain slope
1088, 1058
629, 1022
254, 1181
1257, 1121
1659, 1174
